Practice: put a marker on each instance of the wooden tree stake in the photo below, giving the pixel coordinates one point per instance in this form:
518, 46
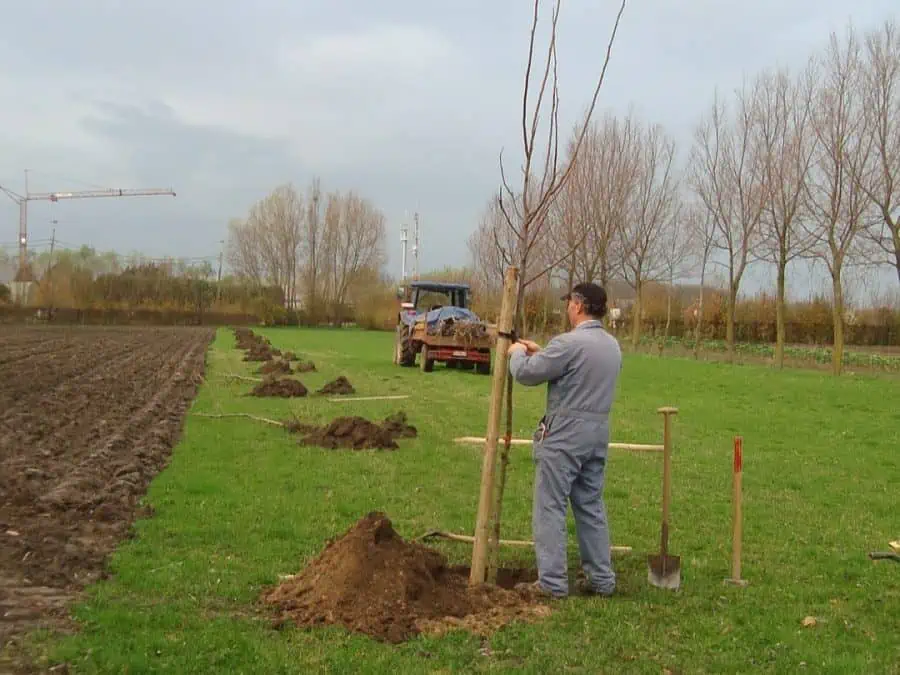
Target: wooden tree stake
489, 460
494, 542
737, 516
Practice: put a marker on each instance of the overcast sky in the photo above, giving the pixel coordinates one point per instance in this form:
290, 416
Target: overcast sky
408, 102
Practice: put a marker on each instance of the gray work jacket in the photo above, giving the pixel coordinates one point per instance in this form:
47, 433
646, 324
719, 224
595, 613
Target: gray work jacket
581, 369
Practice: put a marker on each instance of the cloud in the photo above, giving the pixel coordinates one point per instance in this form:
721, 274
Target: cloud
392, 50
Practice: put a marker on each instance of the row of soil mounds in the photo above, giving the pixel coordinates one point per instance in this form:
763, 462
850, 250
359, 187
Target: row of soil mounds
372, 581
355, 433
259, 348
285, 387
276, 363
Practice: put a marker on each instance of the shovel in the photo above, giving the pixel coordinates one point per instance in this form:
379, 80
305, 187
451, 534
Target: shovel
664, 570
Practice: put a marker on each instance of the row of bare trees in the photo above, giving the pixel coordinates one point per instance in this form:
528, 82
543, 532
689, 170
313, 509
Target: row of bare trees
795, 165
315, 247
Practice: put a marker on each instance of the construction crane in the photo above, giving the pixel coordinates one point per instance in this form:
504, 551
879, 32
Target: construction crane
22, 201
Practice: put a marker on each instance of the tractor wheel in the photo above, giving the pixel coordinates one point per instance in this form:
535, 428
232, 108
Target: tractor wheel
483, 368
427, 364
453, 363
406, 356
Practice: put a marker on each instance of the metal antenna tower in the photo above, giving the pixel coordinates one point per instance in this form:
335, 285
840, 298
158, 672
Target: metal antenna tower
416, 247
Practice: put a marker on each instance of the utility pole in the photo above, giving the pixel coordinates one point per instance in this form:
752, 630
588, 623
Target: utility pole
49, 272
23, 273
219, 273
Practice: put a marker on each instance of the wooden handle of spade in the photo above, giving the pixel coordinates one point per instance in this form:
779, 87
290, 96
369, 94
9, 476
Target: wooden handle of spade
667, 413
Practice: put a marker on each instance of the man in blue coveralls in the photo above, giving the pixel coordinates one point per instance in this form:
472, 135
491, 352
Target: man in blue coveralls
581, 368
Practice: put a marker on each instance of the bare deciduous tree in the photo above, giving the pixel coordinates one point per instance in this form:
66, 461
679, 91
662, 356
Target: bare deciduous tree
312, 278
679, 254
353, 241
835, 198
728, 175
491, 247
652, 211
266, 247
787, 143
526, 209
701, 227
243, 252
880, 176
592, 207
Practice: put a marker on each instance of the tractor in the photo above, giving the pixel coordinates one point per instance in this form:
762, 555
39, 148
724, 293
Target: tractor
429, 323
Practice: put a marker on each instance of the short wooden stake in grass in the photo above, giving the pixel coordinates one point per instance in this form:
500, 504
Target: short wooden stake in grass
737, 515
489, 460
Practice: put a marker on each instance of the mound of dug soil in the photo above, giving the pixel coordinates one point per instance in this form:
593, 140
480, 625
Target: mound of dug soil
371, 581
305, 367
339, 386
259, 353
356, 433
276, 367
284, 388
397, 426
246, 339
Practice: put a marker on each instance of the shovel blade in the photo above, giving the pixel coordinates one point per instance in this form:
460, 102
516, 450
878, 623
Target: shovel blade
664, 571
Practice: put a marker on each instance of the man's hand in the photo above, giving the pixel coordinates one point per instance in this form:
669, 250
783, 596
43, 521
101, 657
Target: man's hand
516, 347
530, 347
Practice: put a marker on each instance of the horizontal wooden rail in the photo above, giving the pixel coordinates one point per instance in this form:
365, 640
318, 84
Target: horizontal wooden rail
633, 447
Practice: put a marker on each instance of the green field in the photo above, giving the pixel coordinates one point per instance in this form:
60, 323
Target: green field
241, 503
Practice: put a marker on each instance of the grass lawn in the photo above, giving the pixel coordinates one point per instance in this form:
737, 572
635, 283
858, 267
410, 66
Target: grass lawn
241, 503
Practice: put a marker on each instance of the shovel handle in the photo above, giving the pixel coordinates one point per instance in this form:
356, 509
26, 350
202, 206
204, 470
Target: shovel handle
667, 413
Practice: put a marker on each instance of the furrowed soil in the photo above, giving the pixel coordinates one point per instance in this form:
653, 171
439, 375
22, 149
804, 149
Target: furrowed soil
88, 416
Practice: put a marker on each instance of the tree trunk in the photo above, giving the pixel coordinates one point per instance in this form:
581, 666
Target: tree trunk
895, 234
837, 315
636, 315
729, 324
668, 321
699, 330
779, 315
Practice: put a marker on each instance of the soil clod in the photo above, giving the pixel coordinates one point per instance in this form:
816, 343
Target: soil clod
305, 367
276, 367
340, 386
396, 424
355, 433
372, 581
283, 388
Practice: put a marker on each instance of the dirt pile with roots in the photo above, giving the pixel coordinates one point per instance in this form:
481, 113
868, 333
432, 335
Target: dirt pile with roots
355, 433
257, 347
371, 581
279, 387
275, 367
340, 387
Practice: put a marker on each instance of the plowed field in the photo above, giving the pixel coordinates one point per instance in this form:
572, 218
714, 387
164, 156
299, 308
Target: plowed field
88, 416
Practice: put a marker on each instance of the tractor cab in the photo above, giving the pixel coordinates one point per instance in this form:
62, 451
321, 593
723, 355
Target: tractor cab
423, 297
